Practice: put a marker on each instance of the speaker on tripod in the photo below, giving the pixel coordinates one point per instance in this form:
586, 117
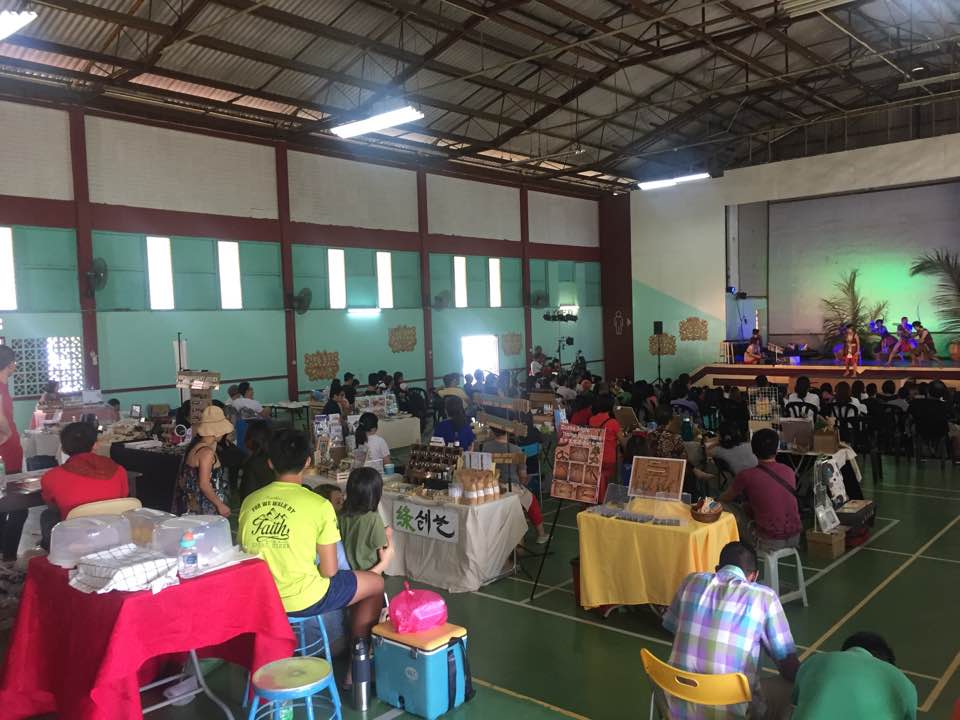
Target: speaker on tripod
658, 331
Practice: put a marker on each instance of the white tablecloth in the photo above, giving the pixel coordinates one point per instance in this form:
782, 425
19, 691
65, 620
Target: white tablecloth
399, 432
39, 443
488, 533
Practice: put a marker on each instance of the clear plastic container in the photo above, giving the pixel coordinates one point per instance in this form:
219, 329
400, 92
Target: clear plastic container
142, 523
72, 539
212, 534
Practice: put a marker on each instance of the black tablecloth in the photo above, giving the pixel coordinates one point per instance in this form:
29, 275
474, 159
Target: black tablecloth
158, 471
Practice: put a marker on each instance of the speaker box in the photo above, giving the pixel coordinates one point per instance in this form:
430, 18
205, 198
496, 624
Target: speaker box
658, 327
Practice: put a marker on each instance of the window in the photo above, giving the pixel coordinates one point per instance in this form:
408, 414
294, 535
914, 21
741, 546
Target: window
480, 351
42, 359
337, 270
495, 300
228, 261
160, 273
459, 281
8, 285
384, 280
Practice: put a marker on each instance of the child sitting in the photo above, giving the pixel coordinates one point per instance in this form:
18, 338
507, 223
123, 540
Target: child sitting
368, 544
500, 444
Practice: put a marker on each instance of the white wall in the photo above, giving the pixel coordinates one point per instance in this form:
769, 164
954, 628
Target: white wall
472, 209
35, 152
561, 220
331, 191
145, 166
679, 233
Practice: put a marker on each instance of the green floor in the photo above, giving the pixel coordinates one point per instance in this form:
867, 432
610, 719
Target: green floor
548, 659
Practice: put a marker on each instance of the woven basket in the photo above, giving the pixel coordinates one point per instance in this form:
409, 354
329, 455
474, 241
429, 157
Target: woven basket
706, 517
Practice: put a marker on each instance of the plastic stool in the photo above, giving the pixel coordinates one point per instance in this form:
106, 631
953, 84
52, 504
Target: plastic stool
771, 573
296, 680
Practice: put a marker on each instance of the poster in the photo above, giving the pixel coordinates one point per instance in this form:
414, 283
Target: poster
436, 522
577, 464
376, 404
329, 428
650, 477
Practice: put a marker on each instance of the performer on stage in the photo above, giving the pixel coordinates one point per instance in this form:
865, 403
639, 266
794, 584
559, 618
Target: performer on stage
904, 344
753, 355
851, 353
925, 349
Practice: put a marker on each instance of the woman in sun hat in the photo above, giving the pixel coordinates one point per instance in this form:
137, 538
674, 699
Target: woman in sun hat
202, 487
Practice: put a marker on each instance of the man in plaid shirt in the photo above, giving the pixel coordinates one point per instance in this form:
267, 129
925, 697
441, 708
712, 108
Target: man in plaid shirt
719, 621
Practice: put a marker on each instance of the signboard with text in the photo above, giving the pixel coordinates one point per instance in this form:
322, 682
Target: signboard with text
436, 522
578, 463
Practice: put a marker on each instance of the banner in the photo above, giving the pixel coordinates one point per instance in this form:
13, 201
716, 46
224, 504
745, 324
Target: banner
577, 464
436, 522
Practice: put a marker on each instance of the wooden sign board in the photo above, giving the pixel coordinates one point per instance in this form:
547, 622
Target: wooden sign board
514, 428
520, 405
651, 476
198, 380
627, 418
578, 464
199, 401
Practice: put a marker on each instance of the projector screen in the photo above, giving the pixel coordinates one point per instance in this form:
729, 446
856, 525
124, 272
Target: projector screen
813, 243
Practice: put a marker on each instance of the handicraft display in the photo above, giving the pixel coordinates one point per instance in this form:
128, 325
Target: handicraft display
578, 463
321, 365
693, 328
662, 344
653, 477
402, 338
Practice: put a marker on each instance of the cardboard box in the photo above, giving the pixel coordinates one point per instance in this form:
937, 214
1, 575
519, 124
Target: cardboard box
826, 442
827, 546
856, 513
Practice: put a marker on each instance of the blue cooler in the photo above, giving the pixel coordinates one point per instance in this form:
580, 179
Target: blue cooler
425, 673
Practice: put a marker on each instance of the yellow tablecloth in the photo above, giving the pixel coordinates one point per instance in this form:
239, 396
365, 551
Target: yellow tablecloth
629, 563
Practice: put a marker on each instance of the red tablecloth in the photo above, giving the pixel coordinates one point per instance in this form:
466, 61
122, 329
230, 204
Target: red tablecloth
78, 654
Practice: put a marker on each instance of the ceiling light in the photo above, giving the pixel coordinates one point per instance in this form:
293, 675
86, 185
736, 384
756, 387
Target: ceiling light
657, 184
918, 68
378, 122
793, 8
923, 82
363, 312
13, 22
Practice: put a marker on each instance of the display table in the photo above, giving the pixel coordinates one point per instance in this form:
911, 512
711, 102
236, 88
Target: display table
39, 442
399, 432
630, 563
13, 501
485, 537
296, 409
158, 468
78, 655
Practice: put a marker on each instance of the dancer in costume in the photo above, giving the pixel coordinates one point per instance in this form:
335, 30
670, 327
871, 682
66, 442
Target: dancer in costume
904, 343
851, 353
925, 349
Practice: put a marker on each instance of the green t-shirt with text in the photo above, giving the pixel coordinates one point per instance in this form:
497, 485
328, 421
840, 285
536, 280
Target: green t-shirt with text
363, 535
283, 523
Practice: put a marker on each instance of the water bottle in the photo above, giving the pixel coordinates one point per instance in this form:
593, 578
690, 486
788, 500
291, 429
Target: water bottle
361, 669
3, 469
286, 710
187, 559
686, 429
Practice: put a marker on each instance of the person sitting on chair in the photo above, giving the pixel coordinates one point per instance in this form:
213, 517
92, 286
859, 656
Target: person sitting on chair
770, 491
801, 393
733, 449
719, 622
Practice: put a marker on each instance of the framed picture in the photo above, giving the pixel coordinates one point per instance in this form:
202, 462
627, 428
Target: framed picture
136, 411
650, 476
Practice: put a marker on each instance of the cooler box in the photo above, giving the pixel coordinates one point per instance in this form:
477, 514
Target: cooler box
414, 670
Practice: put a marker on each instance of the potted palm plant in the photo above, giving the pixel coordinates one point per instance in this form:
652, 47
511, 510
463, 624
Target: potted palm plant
848, 308
945, 267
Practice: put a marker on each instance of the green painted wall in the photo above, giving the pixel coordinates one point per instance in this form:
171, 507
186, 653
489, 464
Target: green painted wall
450, 325
45, 263
587, 334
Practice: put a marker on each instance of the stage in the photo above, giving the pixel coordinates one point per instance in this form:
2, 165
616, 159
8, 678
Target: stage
821, 371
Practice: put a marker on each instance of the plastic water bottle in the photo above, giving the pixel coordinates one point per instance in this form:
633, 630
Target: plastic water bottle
286, 710
187, 561
686, 429
361, 668
3, 469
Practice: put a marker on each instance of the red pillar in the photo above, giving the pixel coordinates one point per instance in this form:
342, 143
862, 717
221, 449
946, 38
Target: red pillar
525, 274
286, 268
84, 229
616, 285
426, 298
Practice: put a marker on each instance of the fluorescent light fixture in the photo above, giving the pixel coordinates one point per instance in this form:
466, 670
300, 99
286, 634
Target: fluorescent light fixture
496, 299
459, 281
337, 278
793, 8
384, 280
655, 184
569, 309
363, 312
160, 273
378, 122
13, 22
923, 82
8, 285
228, 262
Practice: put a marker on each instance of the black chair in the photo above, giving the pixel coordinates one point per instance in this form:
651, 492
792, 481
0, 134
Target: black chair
892, 430
931, 429
800, 409
854, 430
436, 405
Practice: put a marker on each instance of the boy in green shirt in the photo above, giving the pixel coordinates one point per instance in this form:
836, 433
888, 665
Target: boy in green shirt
292, 528
861, 681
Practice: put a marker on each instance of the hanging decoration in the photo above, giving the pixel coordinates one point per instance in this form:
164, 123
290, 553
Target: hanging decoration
321, 365
693, 328
403, 338
666, 345
511, 343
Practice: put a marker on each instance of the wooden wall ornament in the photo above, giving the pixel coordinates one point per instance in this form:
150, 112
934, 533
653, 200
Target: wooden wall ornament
511, 343
403, 338
321, 365
666, 345
693, 328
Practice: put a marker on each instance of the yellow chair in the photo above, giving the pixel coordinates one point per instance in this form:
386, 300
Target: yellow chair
698, 688
105, 507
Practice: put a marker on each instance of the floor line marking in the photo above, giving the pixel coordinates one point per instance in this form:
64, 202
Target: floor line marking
582, 621
521, 696
922, 557
919, 487
921, 495
390, 714
839, 561
561, 587
876, 591
941, 684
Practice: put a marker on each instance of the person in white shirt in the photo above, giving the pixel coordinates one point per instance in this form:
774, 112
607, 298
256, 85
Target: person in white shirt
245, 405
801, 393
366, 435
568, 390
843, 397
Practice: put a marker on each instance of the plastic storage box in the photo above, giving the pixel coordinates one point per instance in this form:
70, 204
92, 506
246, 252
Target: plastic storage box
413, 670
211, 532
70, 540
142, 523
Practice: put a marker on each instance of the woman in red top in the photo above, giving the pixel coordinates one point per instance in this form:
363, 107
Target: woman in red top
581, 410
11, 524
85, 477
603, 418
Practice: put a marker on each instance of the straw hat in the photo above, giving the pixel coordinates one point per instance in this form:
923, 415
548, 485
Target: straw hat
213, 423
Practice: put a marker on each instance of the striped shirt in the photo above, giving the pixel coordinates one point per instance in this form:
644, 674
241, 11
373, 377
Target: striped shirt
719, 622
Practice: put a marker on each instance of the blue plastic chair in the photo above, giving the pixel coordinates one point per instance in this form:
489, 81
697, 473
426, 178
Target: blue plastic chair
533, 451
297, 681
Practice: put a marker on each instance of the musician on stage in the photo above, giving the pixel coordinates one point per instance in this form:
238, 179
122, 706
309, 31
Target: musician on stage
925, 349
851, 353
904, 336
753, 355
